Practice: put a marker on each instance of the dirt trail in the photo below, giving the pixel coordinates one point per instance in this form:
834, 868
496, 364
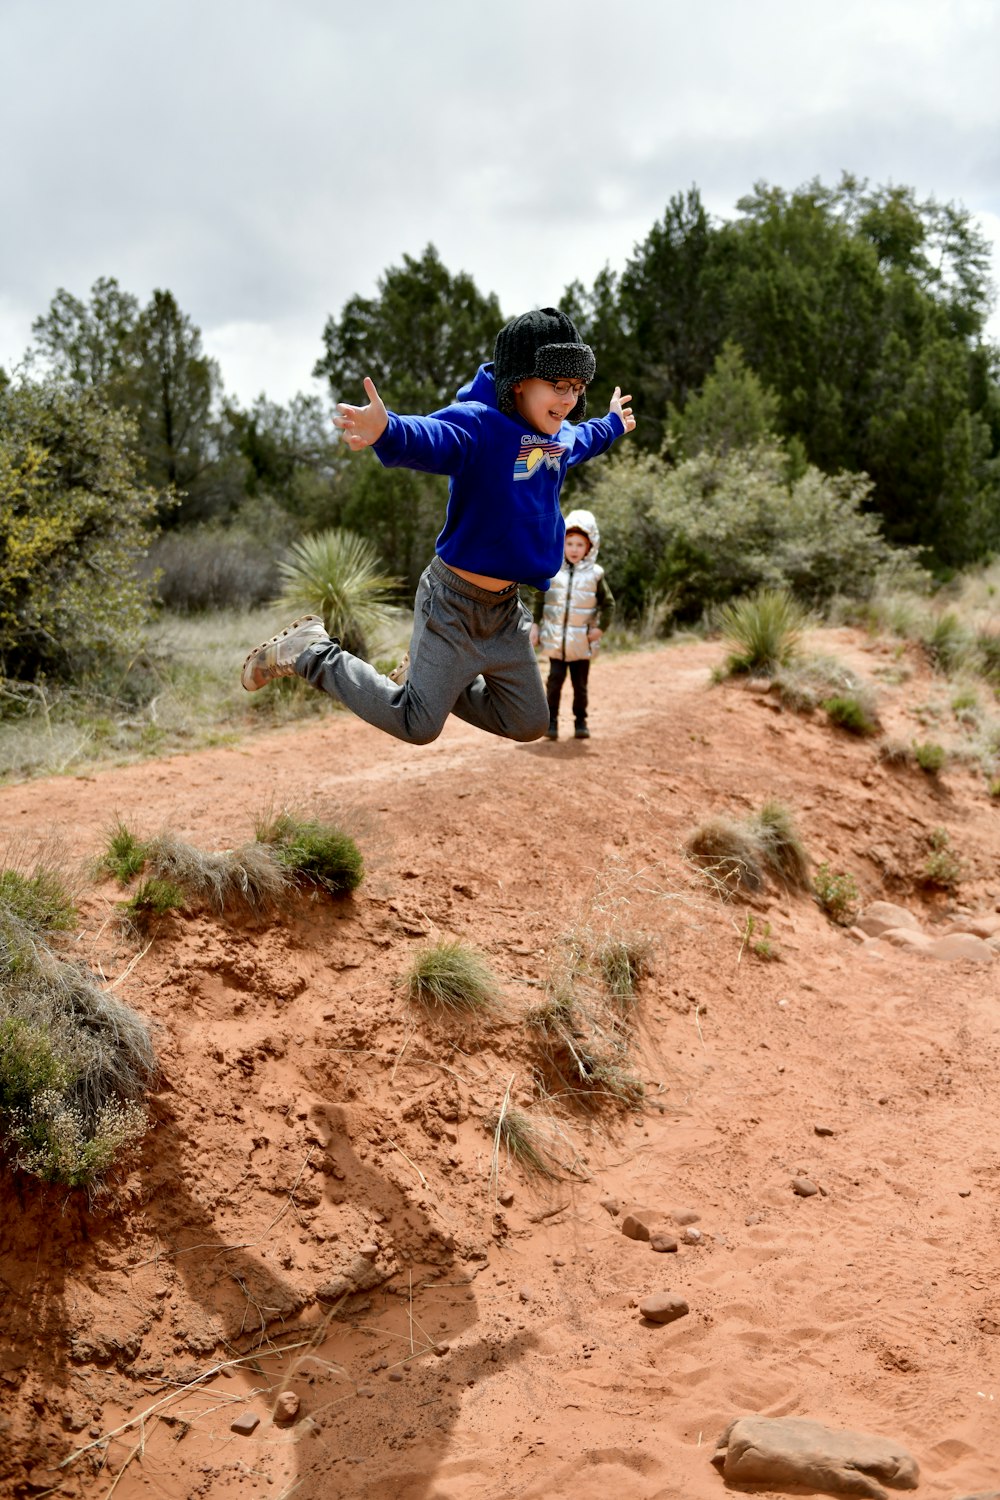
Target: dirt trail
317, 1136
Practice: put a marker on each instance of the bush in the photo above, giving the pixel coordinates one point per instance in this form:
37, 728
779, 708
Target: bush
124, 854
837, 894
217, 567
722, 524
73, 527
942, 868
930, 757
765, 629
250, 876
39, 900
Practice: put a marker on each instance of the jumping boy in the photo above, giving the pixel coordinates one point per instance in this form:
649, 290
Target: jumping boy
506, 444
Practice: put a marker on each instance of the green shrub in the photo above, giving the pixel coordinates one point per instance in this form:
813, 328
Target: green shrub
781, 849
930, 757
765, 630
949, 645
124, 854
336, 574
942, 868
73, 527
28, 1065
852, 714
452, 976
837, 894
39, 900
152, 898
313, 851
213, 567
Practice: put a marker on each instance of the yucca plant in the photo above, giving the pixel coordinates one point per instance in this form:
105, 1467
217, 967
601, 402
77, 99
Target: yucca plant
764, 629
337, 574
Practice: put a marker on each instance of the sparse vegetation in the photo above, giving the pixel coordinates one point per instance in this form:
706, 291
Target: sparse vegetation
74, 1064
942, 868
124, 854
850, 713
837, 894
40, 899
623, 960
250, 876
582, 1038
151, 899
761, 945
337, 574
738, 856
764, 629
930, 757
449, 975
313, 851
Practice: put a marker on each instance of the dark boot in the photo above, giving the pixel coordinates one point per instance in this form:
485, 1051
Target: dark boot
580, 731
552, 733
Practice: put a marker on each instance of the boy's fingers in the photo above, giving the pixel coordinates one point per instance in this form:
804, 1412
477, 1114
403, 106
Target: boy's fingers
371, 392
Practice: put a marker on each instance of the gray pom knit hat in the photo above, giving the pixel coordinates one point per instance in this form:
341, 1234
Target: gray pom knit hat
543, 345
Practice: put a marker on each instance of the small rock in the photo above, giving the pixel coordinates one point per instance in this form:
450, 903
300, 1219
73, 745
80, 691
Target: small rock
691, 1236
638, 1222
965, 1192
823, 1129
366, 1391
682, 1216
395, 1375
663, 1307
804, 1187
245, 1423
557, 1260
525, 1293
906, 937
662, 1240
506, 1197
441, 1350
758, 685
286, 1407
369, 1251
612, 1205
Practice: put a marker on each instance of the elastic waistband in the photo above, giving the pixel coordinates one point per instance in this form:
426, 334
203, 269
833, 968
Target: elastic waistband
470, 590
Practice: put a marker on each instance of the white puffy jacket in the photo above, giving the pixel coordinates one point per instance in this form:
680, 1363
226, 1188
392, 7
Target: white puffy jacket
571, 600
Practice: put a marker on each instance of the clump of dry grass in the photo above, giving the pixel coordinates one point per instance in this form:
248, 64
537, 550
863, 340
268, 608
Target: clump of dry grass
449, 975
737, 856
624, 959
523, 1139
250, 876
75, 1062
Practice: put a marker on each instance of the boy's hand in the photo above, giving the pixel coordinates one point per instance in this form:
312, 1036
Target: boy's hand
621, 409
360, 426
594, 633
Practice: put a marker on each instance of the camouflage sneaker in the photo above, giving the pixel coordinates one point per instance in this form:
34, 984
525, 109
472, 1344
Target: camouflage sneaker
277, 657
399, 674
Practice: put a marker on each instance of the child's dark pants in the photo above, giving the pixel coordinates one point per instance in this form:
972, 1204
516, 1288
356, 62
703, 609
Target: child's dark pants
579, 671
470, 655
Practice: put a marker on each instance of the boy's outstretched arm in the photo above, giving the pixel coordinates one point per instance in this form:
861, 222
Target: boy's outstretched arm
360, 426
619, 405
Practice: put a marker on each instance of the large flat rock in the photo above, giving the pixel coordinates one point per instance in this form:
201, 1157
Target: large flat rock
780, 1452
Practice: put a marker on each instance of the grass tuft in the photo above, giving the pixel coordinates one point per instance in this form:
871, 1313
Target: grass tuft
124, 854
152, 898
39, 900
930, 757
250, 876
737, 857
313, 851
624, 959
449, 975
849, 712
764, 629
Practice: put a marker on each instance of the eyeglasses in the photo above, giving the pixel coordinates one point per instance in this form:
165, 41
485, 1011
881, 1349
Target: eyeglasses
568, 387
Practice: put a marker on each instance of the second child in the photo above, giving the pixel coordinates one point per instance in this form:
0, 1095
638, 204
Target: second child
570, 618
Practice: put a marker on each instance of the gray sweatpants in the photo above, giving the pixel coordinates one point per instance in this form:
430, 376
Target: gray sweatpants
470, 655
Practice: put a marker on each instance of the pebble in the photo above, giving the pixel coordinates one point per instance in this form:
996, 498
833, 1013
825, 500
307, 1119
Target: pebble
804, 1187
663, 1307
662, 1240
823, 1129
612, 1205
286, 1408
557, 1260
395, 1375
525, 1293
684, 1216
368, 1251
692, 1236
506, 1197
245, 1423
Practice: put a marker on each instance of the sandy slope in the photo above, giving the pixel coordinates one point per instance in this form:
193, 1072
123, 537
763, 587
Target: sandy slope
315, 1131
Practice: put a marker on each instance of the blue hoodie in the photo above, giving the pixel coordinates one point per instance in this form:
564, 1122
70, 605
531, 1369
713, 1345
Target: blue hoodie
503, 515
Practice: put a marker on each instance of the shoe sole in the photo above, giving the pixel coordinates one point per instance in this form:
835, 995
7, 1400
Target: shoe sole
273, 641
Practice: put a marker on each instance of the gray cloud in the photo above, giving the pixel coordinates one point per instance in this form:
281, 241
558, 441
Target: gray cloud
266, 159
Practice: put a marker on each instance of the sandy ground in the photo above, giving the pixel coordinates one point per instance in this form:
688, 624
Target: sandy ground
315, 1209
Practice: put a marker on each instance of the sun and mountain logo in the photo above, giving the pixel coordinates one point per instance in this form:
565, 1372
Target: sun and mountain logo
535, 451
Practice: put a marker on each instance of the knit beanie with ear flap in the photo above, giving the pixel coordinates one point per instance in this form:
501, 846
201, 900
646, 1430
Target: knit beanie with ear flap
544, 345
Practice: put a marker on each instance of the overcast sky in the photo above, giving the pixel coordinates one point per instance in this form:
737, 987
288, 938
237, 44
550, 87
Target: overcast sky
267, 159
